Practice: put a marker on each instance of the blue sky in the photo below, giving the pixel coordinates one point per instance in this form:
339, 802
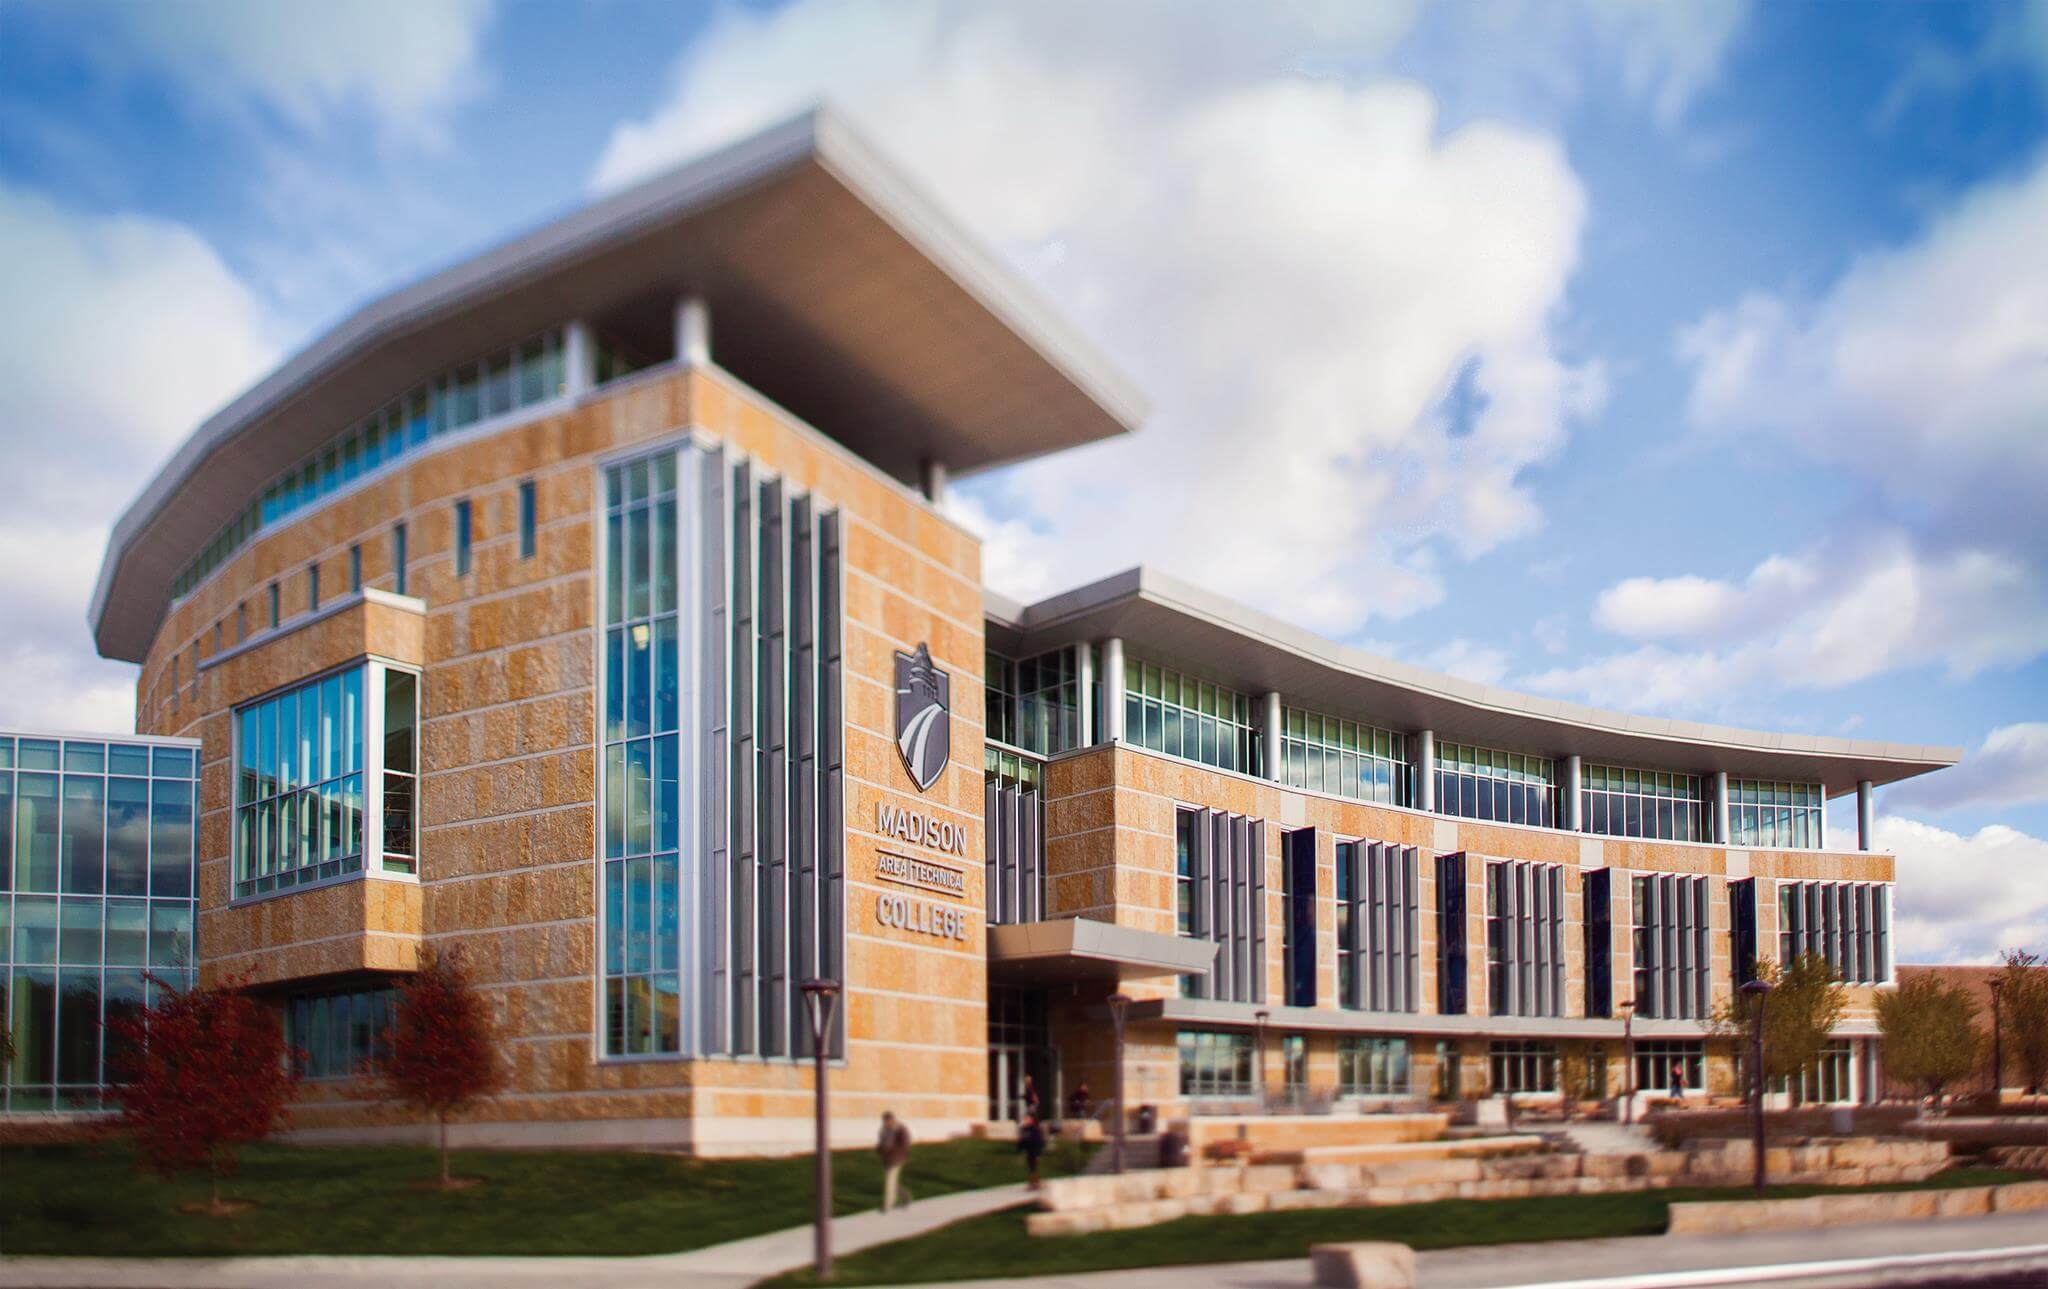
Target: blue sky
1680, 358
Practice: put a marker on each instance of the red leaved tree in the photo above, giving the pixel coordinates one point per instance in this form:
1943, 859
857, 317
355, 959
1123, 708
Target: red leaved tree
199, 1075
441, 1056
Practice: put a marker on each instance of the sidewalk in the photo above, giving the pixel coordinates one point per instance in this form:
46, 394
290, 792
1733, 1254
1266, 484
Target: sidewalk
722, 1266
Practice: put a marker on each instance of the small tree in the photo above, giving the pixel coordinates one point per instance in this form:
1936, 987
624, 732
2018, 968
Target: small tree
441, 1054
1930, 1034
2023, 1017
197, 1076
1806, 1003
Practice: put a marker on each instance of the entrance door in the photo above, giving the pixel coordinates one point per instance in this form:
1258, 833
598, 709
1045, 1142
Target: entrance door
1019, 1046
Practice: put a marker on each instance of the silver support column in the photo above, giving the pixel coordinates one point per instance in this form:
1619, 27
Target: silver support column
693, 332
1574, 801
1425, 770
1084, 678
1721, 826
1112, 693
1271, 735
579, 359
1866, 815
931, 480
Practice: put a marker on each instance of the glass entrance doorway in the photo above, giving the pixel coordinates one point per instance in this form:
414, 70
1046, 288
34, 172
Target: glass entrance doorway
1019, 1047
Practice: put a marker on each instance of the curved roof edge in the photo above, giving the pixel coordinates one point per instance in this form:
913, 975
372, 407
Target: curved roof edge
815, 138
1177, 623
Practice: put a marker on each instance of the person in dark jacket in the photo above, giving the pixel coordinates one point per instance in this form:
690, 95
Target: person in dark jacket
893, 1145
1031, 1140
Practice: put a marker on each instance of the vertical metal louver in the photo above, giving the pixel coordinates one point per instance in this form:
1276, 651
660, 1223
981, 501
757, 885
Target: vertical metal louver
754, 789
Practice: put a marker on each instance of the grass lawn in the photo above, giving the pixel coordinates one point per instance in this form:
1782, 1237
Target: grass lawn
93, 1200
996, 1245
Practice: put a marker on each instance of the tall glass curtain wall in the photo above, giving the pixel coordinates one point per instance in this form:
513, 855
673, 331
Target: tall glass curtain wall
1847, 923
1643, 803
1325, 754
97, 863
1506, 787
1179, 715
723, 846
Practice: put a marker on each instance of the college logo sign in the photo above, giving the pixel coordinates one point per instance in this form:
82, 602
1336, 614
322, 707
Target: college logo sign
924, 735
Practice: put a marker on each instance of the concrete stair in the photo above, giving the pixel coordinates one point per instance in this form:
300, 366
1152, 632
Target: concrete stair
1140, 1152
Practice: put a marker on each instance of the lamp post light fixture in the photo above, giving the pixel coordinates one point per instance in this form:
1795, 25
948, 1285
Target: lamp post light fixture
1118, 1005
1259, 1019
1997, 1047
1759, 991
820, 998
1627, 1008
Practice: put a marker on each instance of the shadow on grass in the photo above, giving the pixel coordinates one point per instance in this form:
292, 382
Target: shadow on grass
996, 1245
94, 1201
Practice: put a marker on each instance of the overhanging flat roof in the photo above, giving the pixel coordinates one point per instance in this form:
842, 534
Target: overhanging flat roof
835, 287
1164, 620
1085, 949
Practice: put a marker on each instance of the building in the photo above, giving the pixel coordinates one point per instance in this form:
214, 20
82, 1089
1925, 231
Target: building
586, 608
97, 850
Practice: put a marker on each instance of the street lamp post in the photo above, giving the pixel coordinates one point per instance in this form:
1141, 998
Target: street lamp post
820, 997
1118, 1005
1259, 1019
1997, 1048
1627, 1007
1759, 991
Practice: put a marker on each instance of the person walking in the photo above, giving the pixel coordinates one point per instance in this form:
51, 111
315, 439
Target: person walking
1678, 1081
1030, 1098
1031, 1140
892, 1144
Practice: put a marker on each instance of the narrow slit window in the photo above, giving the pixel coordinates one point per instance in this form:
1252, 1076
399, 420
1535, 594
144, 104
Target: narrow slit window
464, 537
527, 520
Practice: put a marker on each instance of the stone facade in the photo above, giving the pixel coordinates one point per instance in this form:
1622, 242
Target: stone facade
507, 654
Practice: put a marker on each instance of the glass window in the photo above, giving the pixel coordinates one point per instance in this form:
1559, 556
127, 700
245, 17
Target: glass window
1326, 754
1781, 816
1215, 1064
1506, 787
1523, 1066
299, 789
401, 736
463, 538
398, 560
338, 1036
1168, 712
1643, 803
527, 520
1373, 1067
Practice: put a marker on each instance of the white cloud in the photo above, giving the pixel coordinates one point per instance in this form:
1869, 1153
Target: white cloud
1919, 374
1482, 664
2009, 768
127, 331
1965, 898
1312, 263
404, 62
1920, 370
1843, 612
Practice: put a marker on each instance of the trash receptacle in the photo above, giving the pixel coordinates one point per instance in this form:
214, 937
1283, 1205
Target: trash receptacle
1148, 1120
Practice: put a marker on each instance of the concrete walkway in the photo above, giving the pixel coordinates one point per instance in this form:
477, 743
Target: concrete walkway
1649, 1262
722, 1266
1597, 1137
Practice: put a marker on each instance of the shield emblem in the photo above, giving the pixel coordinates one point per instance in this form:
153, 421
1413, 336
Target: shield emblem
924, 735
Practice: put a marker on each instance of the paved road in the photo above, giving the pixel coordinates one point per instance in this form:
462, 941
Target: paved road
1656, 1262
